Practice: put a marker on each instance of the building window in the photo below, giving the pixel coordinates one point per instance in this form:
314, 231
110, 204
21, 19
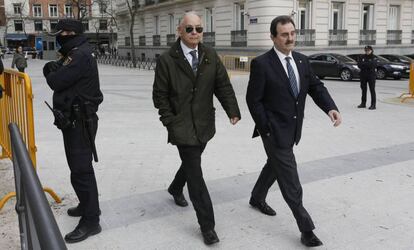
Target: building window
156, 25
103, 7
83, 11
394, 17
127, 41
17, 7
171, 27
209, 26
18, 25
38, 25
337, 16
53, 25
68, 10
239, 16
304, 14
37, 10
367, 16
85, 25
103, 24
53, 10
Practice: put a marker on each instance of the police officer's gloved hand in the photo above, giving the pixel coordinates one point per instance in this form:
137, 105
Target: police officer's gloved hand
51, 66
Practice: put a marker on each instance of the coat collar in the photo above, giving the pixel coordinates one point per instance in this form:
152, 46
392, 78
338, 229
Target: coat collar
177, 54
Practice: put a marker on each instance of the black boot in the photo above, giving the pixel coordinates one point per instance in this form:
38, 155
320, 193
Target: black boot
372, 107
362, 106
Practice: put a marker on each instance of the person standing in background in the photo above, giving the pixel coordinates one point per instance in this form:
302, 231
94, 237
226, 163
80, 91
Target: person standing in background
19, 60
368, 64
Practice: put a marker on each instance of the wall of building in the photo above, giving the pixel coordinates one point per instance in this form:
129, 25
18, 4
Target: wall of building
258, 15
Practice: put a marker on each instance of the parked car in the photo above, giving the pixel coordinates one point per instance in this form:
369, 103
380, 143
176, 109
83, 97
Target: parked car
334, 65
386, 68
410, 56
402, 59
30, 51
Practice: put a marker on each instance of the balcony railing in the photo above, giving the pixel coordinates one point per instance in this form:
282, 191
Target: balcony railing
141, 40
209, 38
239, 38
170, 39
394, 36
338, 37
367, 37
156, 40
305, 37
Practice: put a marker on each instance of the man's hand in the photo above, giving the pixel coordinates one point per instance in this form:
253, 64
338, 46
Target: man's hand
234, 120
335, 117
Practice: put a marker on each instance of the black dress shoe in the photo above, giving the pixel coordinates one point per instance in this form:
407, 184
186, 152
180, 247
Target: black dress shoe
77, 212
361, 106
210, 237
179, 199
372, 107
309, 239
82, 232
262, 206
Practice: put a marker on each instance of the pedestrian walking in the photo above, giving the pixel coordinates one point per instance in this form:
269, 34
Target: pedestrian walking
279, 82
19, 59
186, 78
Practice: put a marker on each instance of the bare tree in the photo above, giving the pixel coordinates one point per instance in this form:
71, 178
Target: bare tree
107, 11
133, 7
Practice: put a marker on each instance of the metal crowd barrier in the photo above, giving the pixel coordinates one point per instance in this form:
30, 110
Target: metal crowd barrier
148, 63
237, 63
410, 94
37, 225
16, 106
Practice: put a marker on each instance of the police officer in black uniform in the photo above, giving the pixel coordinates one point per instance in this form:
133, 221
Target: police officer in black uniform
76, 96
368, 64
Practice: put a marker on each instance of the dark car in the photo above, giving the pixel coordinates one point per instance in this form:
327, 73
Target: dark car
402, 59
410, 56
334, 65
386, 68
30, 51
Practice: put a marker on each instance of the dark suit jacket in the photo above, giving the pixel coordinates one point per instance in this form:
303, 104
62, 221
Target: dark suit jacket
271, 102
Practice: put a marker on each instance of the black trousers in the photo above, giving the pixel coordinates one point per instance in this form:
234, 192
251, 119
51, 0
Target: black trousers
79, 156
370, 80
190, 172
281, 166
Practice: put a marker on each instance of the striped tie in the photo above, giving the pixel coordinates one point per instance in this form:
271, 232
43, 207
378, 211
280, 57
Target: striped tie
194, 63
292, 77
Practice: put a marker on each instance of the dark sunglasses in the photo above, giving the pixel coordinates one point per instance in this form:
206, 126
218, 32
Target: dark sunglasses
190, 29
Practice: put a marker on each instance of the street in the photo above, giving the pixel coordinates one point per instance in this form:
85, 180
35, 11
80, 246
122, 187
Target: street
358, 179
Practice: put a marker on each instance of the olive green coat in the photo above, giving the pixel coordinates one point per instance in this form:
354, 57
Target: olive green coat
185, 101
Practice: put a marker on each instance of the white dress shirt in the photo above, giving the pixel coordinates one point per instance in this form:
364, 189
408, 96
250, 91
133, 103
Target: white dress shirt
282, 58
186, 51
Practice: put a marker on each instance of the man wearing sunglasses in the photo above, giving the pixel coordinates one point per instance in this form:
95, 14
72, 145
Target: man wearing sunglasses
186, 77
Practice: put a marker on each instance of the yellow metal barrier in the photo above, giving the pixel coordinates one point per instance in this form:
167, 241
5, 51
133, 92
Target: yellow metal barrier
17, 106
410, 94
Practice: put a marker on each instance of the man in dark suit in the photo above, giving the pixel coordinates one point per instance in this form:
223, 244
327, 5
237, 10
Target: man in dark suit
186, 78
279, 82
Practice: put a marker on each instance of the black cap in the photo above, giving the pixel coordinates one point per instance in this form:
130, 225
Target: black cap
68, 25
368, 47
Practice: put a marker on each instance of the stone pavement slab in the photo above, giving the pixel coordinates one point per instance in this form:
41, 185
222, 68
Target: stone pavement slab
358, 179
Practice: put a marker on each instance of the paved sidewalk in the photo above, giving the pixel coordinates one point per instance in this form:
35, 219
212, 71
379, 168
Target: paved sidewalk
358, 179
